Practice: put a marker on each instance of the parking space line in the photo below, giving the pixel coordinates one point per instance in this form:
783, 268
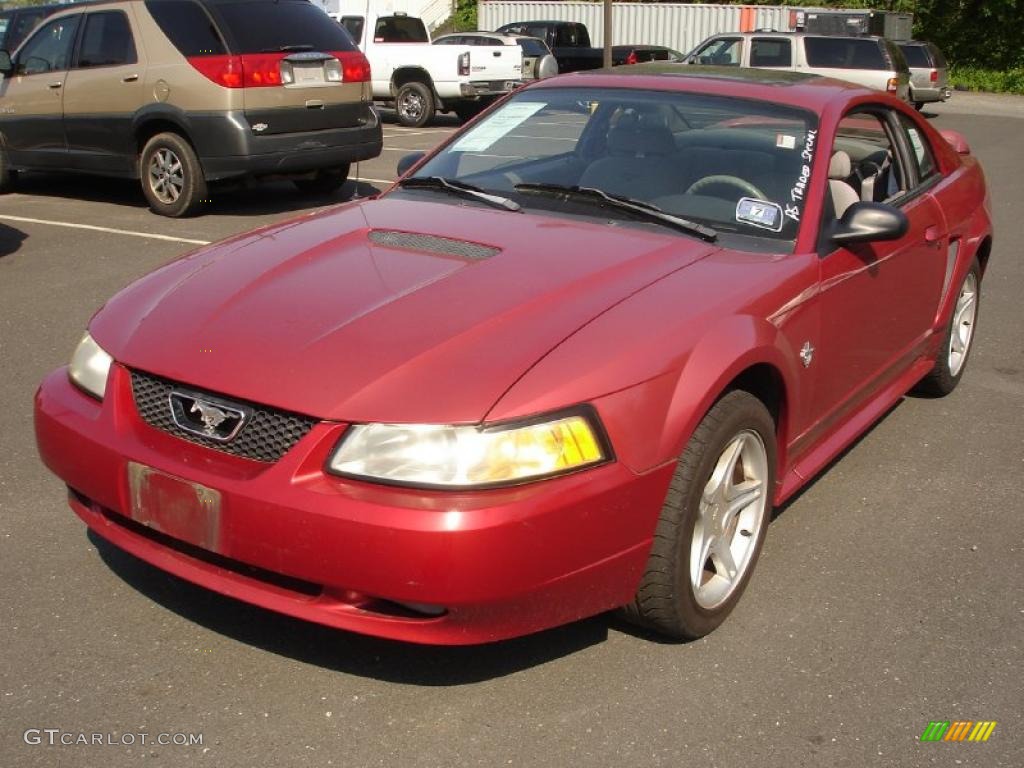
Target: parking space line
376, 181
418, 133
109, 230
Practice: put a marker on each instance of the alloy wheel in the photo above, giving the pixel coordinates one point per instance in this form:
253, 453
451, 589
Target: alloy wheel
166, 175
729, 520
963, 324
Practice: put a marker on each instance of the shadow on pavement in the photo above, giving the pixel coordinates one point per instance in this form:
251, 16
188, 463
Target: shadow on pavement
232, 199
10, 239
343, 651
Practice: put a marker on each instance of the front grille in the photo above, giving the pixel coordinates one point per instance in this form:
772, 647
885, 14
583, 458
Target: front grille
267, 436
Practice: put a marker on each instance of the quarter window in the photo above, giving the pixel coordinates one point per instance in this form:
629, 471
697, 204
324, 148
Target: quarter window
920, 149
107, 41
49, 49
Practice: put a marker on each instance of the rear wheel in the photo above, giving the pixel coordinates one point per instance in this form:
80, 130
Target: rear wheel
414, 104
713, 522
956, 344
325, 182
918, 105
172, 178
7, 176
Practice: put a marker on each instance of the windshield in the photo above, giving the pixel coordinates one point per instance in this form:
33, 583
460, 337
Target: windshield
734, 165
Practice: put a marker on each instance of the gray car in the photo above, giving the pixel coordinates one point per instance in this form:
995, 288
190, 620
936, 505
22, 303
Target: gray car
929, 72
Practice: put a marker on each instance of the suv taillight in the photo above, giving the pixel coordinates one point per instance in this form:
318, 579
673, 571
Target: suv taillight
354, 66
464, 64
934, 76
893, 85
631, 59
246, 71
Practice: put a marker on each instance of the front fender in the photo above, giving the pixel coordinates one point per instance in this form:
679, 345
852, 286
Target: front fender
677, 400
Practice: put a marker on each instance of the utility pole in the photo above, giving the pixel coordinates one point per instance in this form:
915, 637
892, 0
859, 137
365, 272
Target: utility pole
607, 33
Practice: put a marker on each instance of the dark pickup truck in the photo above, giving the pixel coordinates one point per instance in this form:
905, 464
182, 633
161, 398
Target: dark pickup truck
569, 41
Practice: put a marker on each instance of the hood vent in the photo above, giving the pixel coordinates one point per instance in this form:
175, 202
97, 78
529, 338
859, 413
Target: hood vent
432, 244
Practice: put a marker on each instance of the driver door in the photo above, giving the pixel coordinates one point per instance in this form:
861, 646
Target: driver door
32, 96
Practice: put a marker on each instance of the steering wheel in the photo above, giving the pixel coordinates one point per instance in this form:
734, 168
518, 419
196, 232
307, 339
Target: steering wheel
865, 169
745, 186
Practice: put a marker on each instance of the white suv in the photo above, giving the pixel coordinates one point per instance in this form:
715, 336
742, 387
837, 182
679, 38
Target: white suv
874, 62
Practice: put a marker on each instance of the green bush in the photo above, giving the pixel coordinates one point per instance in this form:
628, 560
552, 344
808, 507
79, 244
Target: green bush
994, 81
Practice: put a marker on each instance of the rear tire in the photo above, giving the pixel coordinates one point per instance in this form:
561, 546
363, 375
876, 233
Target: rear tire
7, 176
172, 178
918, 105
958, 340
713, 522
325, 182
467, 110
414, 105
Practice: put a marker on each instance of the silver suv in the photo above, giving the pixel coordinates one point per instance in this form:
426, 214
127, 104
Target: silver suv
874, 62
929, 73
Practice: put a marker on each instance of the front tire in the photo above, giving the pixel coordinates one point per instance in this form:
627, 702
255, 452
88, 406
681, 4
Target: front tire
713, 522
414, 105
325, 182
172, 178
951, 361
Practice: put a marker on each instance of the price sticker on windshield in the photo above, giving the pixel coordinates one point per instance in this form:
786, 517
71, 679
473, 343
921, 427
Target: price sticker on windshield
497, 126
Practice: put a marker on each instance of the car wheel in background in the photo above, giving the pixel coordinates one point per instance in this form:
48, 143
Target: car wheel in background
172, 178
918, 105
467, 110
713, 522
7, 176
325, 182
956, 343
414, 104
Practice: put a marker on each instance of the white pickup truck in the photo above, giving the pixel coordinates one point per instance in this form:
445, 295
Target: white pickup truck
420, 79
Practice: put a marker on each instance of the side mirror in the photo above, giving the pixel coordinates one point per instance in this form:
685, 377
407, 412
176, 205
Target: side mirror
408, 161
869, 222
6, 67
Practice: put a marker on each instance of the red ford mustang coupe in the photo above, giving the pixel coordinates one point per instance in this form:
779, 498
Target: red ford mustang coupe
567, 364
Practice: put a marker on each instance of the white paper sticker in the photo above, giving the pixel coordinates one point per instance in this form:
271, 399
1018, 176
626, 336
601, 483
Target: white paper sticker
497, 126
785, 141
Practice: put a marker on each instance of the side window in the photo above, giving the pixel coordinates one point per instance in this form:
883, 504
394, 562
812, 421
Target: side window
354, 25
920, 149
723, 52
24, 23
106, 41
770, 52
865, 160
49, 49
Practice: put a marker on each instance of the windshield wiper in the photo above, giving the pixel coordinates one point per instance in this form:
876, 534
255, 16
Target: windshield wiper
460, 188
288, 48
638, 208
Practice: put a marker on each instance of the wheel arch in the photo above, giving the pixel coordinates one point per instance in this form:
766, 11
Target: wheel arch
405, 75
158, 119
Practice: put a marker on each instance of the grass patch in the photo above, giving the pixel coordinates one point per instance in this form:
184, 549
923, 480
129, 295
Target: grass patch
991, 80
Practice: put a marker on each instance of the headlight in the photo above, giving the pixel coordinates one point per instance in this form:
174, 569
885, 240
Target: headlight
429, 455
90, 366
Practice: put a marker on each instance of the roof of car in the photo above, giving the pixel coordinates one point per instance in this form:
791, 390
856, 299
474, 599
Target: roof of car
795, 88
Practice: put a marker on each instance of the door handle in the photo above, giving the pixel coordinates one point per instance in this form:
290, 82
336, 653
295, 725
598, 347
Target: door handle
57, 84
933, 234
129, 78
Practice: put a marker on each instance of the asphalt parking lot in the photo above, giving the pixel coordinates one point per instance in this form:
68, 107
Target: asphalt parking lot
890, 592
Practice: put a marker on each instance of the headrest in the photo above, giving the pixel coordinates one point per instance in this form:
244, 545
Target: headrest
840, 166
640, 139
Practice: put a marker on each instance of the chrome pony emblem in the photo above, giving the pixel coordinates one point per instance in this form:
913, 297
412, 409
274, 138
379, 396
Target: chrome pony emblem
206, 416
807, 354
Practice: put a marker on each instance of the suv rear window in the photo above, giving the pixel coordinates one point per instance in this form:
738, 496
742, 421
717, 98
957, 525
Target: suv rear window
844, 53
532, 46
917, 56
187, 26
265, 26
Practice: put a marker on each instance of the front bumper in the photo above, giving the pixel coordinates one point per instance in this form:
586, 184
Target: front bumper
292, 539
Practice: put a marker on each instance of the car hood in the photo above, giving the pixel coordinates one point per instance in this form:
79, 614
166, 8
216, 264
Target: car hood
385, 310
